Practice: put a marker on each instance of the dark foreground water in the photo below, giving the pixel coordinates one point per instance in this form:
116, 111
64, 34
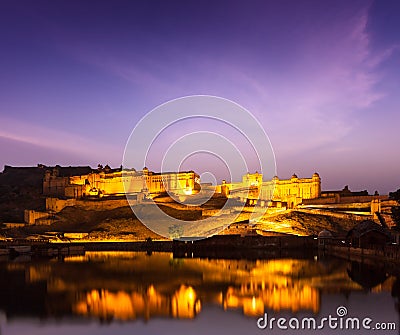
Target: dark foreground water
136, 293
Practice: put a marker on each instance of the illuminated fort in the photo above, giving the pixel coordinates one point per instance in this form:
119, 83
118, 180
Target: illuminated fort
252, 190
110, 182
290, 191
106, 182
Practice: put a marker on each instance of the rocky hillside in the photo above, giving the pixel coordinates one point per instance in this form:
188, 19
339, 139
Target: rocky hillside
299, 223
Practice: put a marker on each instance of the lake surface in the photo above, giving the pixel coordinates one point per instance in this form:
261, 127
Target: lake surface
140, 293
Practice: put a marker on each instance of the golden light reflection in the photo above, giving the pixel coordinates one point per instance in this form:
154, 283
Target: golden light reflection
253, 306
185, 303
120, 305
123, 305
78, 259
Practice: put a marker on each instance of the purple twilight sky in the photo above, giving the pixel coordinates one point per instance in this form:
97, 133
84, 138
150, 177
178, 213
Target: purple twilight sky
322, 77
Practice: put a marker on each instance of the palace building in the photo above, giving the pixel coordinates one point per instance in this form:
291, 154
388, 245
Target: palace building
117, 182
290, 191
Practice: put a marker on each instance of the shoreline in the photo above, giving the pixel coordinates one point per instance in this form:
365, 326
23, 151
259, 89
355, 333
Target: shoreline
224, 246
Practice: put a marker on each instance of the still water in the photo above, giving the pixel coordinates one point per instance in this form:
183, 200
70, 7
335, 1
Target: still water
140, 293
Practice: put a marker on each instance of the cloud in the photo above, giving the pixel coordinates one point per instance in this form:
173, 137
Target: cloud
322, 96
55, 139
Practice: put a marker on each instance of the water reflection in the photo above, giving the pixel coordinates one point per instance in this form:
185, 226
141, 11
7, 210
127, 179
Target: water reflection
367, 276
123, 305
131, 285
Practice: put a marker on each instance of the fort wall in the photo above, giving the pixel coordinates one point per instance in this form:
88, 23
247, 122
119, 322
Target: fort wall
354, 217
101, 205
337, 199
56, 205
31, 216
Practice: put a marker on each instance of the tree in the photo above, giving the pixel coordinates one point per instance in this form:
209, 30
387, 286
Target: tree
396, 209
